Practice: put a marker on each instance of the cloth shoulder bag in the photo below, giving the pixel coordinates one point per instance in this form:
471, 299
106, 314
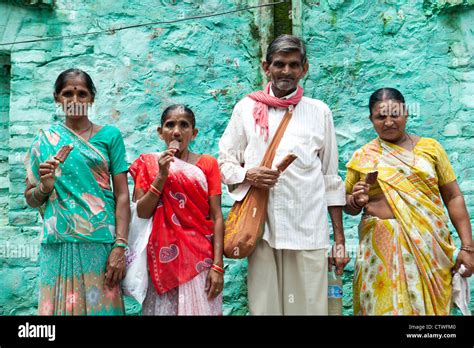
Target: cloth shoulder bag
246, 219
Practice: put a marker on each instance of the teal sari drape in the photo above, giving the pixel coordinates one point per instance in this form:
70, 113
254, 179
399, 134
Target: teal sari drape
81, 207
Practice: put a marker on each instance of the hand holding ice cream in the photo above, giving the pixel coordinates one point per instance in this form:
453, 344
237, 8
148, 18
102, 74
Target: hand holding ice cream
174, 145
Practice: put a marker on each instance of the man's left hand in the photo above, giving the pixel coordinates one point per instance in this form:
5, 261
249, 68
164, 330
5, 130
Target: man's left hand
338, 258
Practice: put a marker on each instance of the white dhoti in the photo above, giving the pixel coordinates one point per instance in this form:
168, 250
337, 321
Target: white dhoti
287, 282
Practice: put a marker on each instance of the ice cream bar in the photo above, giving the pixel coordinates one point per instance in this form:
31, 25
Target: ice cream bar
174, 144
285, 162
63, 152
371, 177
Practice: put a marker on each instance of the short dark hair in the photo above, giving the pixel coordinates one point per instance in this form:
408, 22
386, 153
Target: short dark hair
286, 43
385, 93
173, 107
66, 74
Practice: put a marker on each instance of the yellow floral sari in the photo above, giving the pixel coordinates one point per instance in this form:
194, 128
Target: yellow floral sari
404, 264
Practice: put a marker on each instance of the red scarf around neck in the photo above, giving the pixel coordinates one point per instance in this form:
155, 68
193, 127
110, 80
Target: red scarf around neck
264, 100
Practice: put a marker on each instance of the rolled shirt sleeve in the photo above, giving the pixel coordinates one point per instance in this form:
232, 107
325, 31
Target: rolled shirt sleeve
334, 186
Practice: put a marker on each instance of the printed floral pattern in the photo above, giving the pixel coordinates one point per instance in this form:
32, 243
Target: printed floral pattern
72, 281
404, 264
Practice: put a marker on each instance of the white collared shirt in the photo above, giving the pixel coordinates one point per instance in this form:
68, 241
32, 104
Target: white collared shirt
297, 207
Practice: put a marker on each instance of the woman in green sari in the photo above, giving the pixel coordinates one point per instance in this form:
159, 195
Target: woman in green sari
85, 221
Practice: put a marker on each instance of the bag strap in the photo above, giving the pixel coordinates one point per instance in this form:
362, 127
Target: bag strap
271, 150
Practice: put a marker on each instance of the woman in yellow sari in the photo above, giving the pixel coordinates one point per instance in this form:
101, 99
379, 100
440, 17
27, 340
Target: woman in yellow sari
406, 255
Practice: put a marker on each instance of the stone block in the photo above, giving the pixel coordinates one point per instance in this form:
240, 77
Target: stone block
16, 158
4, 183
22, 218
25, 110
24, 130
30, 56
20, 143
17, 202
17, 173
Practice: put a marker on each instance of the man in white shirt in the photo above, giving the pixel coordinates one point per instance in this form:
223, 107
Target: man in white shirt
287, 272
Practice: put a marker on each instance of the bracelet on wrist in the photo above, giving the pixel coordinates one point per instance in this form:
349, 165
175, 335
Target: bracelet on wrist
121, 239
120, 245
217, 269
468, 249
155, 191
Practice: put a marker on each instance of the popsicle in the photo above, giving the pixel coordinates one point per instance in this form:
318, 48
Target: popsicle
63, 152
286, 161
371, 177
174, 144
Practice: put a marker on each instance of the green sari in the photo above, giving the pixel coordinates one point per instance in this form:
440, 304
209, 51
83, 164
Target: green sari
78, 221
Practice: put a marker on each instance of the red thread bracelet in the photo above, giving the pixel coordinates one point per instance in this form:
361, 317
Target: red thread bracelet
217, 269
155, 191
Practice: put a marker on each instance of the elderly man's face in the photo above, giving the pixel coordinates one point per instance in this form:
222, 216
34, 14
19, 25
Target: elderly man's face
285, 71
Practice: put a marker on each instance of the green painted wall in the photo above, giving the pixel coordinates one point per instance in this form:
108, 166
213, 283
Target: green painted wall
424, 48
4, 135
208, 64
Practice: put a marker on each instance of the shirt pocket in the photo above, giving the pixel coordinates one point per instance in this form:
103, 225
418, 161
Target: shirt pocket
301, 147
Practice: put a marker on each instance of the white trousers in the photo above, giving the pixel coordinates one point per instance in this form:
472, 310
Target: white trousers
287, 282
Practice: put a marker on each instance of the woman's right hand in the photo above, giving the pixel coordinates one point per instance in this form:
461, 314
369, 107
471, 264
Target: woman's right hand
360, 193
164, 162
47, 171
467, 259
